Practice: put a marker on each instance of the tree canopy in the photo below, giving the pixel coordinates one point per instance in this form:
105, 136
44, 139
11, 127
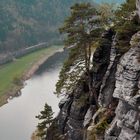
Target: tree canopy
28, 22
46, 117
82, 27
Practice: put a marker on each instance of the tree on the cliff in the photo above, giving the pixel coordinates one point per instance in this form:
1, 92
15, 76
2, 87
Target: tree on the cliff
126, 24
107, 11
46, 118
125, 10
82, 29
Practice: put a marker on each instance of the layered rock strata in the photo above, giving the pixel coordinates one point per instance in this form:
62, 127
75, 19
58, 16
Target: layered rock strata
116, 82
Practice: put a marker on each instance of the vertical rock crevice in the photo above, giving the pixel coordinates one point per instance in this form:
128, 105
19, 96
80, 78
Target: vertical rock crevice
116, 81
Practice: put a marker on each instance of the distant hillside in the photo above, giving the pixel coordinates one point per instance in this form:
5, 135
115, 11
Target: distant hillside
28, 22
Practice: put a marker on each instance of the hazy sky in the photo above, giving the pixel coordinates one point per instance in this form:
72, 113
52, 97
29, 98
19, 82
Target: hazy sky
113, 1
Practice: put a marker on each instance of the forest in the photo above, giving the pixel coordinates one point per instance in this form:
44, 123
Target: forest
28, 22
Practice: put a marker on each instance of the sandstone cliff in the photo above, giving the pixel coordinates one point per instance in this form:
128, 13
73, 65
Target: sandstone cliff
116, 82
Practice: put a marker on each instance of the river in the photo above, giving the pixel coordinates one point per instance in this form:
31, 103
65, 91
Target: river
17, 118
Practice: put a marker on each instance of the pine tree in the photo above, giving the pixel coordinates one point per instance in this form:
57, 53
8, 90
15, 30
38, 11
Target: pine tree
107, 11
126, 24
46, 117
125, 10
82, 28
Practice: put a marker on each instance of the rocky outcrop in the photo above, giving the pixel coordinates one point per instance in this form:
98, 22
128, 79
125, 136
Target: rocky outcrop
77, 109
138, 7
116, 82
108, 82
125, 125
105, 99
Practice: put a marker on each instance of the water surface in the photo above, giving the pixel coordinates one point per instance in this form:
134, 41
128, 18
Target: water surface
17, 118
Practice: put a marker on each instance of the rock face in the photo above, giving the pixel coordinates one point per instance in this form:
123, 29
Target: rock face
108, 82
138, 7
116, 82
125, 125
77, 109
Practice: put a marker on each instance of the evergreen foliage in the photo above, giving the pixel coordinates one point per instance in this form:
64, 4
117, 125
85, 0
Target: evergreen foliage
107, 11
126, 24
82, 28
46, 117
28, 22
125, 10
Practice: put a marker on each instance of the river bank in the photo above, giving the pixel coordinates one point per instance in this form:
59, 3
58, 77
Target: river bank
31, 67
17, 117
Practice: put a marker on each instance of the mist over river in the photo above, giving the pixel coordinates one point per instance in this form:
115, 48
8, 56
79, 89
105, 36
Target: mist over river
17, 118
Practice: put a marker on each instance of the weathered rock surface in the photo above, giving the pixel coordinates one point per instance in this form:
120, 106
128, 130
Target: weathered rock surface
128, 92
138, 7
116, 82
108, 82
77, 109
117, 78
